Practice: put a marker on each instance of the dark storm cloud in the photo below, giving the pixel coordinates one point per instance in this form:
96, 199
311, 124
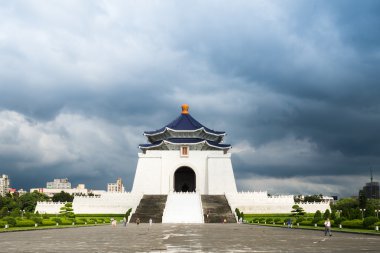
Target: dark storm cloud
294, 84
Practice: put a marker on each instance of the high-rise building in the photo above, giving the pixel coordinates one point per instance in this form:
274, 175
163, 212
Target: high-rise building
62, 183
4, 184
116, 187
371, 189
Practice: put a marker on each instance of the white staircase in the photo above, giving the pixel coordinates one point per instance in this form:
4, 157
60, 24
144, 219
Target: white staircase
183, 207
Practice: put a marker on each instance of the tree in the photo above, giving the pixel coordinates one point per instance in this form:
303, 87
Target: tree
362, 199
313, 198
327, 214
128, 213
297, 210
238, 214
63, 197
67, 210
28, 201
317, 216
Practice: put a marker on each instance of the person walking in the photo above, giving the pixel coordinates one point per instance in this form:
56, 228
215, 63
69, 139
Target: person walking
125, 222
150, 222
137, 221
328, 227
289, 223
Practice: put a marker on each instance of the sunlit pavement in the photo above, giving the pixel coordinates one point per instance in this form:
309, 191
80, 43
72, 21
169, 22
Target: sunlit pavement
185, 238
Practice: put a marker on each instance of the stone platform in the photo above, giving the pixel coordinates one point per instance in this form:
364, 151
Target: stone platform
185, 238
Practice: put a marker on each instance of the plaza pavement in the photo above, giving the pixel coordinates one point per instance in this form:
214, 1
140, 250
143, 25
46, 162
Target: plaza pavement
185, 238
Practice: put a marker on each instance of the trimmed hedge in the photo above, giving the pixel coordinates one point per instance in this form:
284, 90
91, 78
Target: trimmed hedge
100, 215
352, 224
25, 223
79, 221
37, 220
66, 222
47, 222
10, 221
369, 221
3, 223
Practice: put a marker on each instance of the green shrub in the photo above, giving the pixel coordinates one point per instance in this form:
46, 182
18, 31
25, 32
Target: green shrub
107, 220
368, 221
3, 223
56, 220
91, 221
37, 220
269, 220
100, 220
352, 224
25, 223
307, 223
66, 222
300, 219
100, 215
79, 221
47, 222
277, 221
10, 221
339, 220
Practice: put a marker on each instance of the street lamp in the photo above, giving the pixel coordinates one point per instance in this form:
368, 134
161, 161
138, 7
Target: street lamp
362, 210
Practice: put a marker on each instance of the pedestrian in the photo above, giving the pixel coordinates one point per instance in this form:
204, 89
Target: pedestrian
150, 222
289, 223
125, 222
137, 221
113, 223
328, 227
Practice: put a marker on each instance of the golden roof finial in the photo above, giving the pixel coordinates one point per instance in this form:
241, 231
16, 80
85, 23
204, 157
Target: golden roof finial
185, 109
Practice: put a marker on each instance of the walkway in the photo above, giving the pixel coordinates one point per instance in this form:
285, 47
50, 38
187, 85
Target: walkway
185, 238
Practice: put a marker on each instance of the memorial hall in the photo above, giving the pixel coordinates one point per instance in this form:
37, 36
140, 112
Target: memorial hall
184, 174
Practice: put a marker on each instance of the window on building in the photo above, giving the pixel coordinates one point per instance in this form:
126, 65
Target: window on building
184, 151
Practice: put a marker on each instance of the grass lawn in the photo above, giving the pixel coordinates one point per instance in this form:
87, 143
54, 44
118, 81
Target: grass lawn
344, 230
14, 229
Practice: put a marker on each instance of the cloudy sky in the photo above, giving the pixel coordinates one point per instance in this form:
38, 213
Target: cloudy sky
295, 84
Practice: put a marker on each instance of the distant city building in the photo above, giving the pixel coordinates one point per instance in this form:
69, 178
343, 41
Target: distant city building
79, 190
4, 184
62, 183
21, 192
371, 189
116, 187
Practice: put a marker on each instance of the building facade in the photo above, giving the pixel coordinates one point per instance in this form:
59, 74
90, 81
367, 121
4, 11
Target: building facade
371, 190
4, 184
116, 187
62, 183
184, 156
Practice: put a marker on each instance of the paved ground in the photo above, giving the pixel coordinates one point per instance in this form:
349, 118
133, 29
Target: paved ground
185, 238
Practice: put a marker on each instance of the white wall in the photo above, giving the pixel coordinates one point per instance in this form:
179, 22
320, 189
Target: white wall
49, 207
107, 203
155, 171
261, 203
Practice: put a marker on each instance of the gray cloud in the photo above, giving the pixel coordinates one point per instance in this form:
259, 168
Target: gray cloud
294, 84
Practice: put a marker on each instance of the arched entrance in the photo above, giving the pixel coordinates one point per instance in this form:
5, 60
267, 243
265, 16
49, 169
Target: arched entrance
184, 180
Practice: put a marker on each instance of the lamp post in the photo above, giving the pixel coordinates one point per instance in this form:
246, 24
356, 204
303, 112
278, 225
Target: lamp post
362, 210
